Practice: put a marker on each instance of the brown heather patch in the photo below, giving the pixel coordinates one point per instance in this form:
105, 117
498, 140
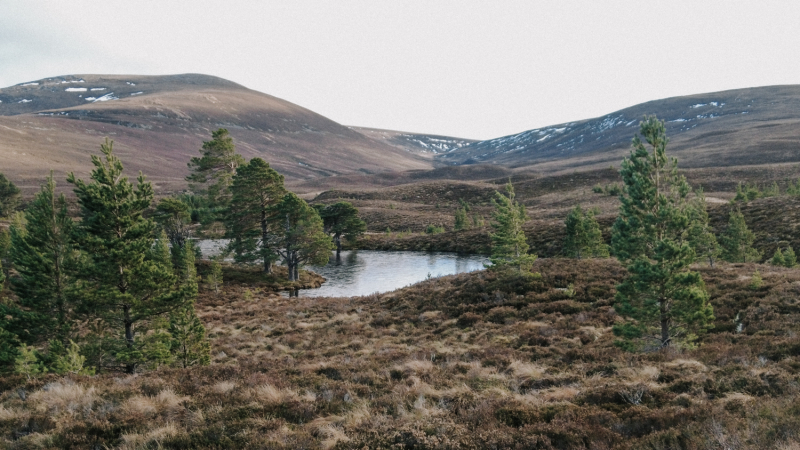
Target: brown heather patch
531, 368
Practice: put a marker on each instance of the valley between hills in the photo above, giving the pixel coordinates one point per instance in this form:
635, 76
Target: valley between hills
480, 360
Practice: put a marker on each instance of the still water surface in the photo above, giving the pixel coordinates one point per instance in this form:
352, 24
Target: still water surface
364, 272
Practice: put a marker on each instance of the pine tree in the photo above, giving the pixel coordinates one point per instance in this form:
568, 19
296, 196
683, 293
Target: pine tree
340, 220
509, 247
461, 220
214, 278
789, 258
777, 258
9, 196
255, 189
44, 256
583, 235
189, 344
737, 240
302, 239
174, 218
699, 233
664, 299
216, 167
128, 283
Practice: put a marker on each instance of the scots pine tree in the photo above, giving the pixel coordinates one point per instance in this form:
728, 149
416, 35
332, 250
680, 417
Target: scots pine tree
174, 218
256, 188
664, 300
509, 247
189, 345
737, 240
301, 238
789, 258
583, 235
699, 234
9, 196
128, 283
340, 220
44, 256
216, 167
777, 258
461, 222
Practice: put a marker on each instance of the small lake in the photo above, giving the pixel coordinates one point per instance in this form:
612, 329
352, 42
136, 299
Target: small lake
364, 272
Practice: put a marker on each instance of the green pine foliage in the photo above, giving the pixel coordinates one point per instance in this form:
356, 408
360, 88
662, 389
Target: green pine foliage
509, 247
737, 240
583, 235
127, 283
44, 255
340, 220
9, 196
216, 167
461, 222
789, 258
214, 278
27, 362
72, 362
784, 258
174, 218
777, 258
699, 234
189, 344
9, 351
664, 301
302, 238
255, 188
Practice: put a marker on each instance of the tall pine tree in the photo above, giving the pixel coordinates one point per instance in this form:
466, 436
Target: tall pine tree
127, 282
44, 256
216, 167
665, 300
255, 189
340, 220
301, 239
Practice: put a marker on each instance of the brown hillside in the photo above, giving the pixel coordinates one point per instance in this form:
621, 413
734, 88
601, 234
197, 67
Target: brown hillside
158, 123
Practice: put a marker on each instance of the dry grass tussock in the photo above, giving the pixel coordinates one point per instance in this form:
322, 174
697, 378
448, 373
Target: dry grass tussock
470, 361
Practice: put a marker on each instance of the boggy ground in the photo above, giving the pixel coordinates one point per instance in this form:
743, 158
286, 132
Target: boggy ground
475, 360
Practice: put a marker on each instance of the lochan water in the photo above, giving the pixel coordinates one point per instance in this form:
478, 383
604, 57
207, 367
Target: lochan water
365, 272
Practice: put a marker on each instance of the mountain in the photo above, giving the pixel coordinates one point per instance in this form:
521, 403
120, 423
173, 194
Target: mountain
159, 122
416, 142
737, 127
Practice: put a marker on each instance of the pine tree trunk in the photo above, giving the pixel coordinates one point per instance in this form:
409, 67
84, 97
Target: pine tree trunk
264, 236
338, 241
665, 339
128, 334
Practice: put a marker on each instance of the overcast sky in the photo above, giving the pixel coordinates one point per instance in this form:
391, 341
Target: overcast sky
462, 68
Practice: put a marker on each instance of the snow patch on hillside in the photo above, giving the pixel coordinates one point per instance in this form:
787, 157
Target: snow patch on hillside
75, 90
105, 98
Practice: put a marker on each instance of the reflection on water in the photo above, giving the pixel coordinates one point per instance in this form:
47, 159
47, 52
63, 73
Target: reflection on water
367, 271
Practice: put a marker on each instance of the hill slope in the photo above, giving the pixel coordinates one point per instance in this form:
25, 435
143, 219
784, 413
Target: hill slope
159, 122
737, 127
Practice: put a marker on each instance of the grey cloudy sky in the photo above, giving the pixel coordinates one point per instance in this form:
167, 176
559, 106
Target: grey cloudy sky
463, 68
